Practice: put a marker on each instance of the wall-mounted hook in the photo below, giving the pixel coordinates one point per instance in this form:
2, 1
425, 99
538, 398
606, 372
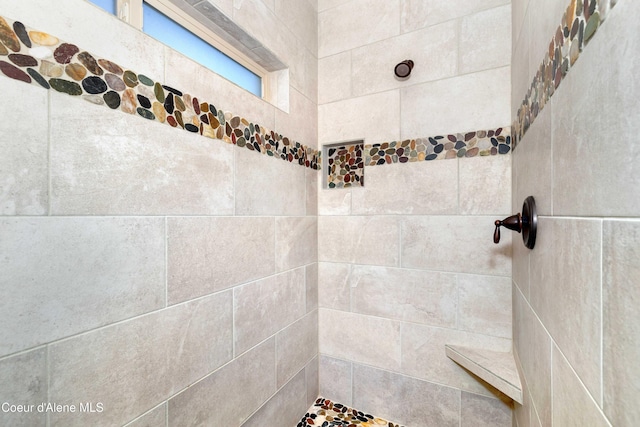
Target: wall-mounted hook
525, 223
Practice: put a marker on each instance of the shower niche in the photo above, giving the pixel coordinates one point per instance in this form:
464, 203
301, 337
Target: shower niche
344, 164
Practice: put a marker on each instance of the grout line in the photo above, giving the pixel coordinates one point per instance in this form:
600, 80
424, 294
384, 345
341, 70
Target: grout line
50, 184
48, 368
602, 315
166, 262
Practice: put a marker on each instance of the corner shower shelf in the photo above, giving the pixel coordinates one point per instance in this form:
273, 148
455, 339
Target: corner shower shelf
495, 367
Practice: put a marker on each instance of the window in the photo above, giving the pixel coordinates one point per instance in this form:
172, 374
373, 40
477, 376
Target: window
170, 25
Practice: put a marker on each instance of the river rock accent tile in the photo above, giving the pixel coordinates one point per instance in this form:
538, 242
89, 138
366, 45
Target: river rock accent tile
8, 37
470, 144
578, 24
134, 93
327, 413
345, 166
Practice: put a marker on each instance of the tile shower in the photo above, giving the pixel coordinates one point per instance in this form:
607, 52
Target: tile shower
126, 241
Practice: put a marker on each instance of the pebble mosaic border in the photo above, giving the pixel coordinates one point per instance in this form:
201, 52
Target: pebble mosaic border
580, 22
325, 413
470, 144
43, 60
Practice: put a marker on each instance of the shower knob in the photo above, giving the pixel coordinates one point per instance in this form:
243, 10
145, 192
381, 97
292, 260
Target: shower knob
525, 223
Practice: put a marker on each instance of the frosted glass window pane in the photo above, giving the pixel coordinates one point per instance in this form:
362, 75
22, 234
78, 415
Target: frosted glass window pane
108, 5
169, 32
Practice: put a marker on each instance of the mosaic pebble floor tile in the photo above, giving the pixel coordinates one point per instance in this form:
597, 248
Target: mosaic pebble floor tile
325, 413
579, 23
43, 60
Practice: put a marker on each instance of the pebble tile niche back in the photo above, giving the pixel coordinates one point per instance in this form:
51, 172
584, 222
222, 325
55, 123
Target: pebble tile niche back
41, 59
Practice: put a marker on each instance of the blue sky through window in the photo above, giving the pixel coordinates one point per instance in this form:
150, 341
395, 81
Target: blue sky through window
169, 32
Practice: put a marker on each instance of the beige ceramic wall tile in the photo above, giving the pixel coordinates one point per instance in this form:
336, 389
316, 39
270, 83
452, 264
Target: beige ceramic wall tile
403, 399
359, 239
179, 346
312, 177
607, 184
24, 186
519, 18
484, 305
572, 403
268, 186
422, 343
533, 165
264, 307
485, 185
312, 371
311, 287
621, 342
296, 242
374, 118
285, 408
333, 201
485, 40
334, 285
410, 295
300, 124
545, 18
69, 275
230, 395
334, 78
348, 26
302, 19
534, 349
482, 411
328, 4
24, 382
373, 65
521, 70
456, 244
122, 164
208, 254
381, 348
417, 14
303, 67
400, 189
335, 380
296, 345
157, 417
459, 104
566, 291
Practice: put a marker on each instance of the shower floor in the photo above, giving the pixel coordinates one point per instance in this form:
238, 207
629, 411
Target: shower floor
325, 413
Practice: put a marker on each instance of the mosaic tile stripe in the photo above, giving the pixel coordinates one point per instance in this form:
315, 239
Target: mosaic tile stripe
345, 166
325, 413
579, 23
43, 60
470, 144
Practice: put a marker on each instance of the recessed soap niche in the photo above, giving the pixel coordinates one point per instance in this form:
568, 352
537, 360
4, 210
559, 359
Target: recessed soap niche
343, 165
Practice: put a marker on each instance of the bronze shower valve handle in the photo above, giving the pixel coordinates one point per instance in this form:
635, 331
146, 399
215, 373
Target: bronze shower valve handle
525, 223
514, 222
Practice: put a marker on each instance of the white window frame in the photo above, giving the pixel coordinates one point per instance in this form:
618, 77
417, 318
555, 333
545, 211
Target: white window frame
130, 11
